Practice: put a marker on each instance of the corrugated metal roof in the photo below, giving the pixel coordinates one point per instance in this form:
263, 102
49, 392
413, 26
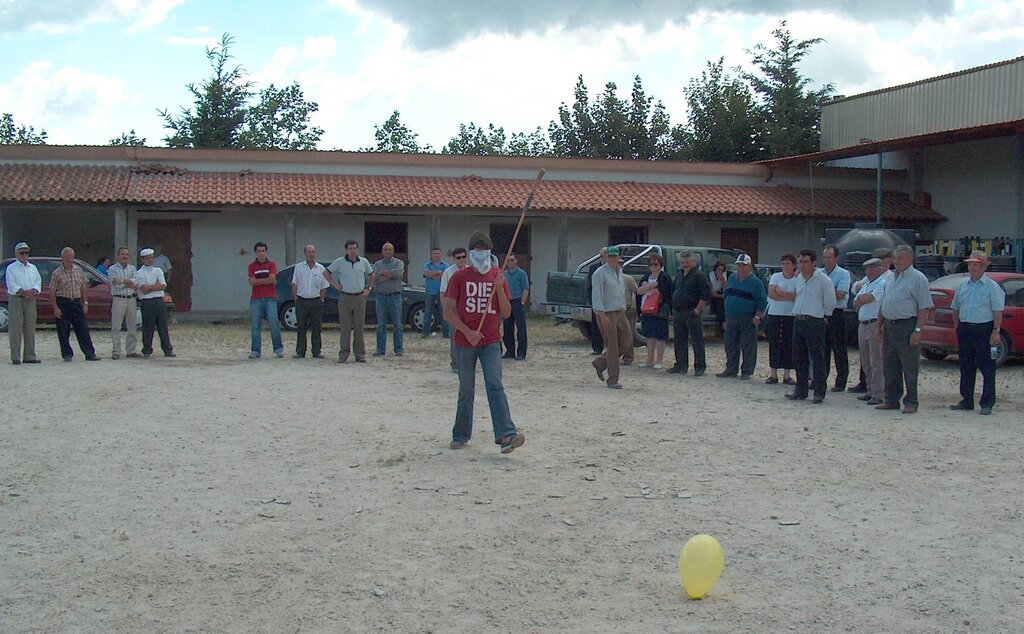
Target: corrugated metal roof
972, 98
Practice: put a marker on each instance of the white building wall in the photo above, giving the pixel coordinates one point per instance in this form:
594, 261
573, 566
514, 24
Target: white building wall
974, 185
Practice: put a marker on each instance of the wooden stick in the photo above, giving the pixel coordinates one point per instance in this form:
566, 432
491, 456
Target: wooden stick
512, 245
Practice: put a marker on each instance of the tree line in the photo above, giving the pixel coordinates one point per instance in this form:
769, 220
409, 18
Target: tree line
732, 117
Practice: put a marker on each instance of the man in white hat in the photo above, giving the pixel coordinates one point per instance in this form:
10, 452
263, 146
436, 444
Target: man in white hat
150, 283
868, 300
23, 285
977, 315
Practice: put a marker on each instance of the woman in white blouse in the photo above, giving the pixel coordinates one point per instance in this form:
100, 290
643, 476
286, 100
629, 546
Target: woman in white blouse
779, 325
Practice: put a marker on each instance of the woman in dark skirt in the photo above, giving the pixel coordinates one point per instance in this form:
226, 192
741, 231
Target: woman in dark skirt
779, 326
655, 326
718, 278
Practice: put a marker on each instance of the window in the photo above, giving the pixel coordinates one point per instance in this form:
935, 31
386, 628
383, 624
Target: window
377, 233
501, 235
1014, 293
627, 234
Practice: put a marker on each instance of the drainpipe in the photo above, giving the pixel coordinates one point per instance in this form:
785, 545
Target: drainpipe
878, 195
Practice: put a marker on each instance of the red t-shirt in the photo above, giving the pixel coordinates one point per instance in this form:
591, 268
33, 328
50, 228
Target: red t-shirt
261, 271
470, 291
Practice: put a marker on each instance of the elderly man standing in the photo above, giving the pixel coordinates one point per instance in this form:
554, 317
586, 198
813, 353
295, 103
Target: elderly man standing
815, 298
885, 257
977, 315
836, 320
150, 284
905, 306
354, 277
596, 337
514, 328
692, 292
867, 303
389, 271
123, 304
23, 285
70, 300
609, 303
745, 303
309, 286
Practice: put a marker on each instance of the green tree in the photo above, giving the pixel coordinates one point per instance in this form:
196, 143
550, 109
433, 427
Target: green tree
638, 128
128, 138
280, 121
395, 136
473, 140
219, 107
533, 144
723, 121
11, 134
790, 109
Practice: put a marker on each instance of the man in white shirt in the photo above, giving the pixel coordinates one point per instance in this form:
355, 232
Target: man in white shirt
867, 303
815, 298
23, 285
309, 286
150, 284
162, 262
123, 305
459, 254
355, 279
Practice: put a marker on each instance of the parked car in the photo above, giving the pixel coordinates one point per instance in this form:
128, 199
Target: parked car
98, 292
938, 337
412, 303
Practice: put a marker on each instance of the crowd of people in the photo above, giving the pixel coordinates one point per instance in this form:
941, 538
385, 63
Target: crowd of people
804, 310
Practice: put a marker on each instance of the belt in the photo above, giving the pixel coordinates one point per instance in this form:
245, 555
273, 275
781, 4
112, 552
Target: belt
865, 322
124, 296
344, 293
69, 299
388, 294
309, 299
808, 318
899, 321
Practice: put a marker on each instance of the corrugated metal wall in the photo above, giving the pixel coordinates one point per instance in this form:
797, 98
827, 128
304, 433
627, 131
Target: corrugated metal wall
988, 95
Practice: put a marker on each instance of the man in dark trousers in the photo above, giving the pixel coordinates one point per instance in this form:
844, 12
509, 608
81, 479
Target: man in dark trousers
692, 292
977, 315
836, 321
70, 301
815, 298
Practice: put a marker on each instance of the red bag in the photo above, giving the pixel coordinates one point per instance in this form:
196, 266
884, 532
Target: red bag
652, 302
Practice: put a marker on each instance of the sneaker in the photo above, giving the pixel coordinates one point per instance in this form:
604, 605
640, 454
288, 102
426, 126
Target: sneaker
457, 444
512, 441
254, 355
657, 366
170, 355
614, 386
641, 364
115, 356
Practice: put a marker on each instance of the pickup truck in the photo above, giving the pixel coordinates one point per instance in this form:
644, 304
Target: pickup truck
568, 298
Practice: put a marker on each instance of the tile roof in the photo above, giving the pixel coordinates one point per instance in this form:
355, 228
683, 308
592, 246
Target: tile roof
160, 185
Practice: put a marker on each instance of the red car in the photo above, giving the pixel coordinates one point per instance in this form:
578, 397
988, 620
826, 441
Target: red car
98, 289
938, 337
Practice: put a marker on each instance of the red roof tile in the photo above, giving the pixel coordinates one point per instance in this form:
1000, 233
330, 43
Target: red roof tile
168, 186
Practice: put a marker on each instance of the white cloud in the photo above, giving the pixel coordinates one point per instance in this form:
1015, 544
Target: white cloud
320, 47
69, 15
205, 42
276, 70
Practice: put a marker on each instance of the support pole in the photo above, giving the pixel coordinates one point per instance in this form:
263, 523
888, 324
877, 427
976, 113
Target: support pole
290, 248
562, 233
878, 195
435, 231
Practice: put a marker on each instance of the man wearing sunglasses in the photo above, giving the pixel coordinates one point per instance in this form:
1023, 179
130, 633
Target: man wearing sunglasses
459, 255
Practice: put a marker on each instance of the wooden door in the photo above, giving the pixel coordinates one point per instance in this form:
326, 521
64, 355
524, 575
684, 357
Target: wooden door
375, 234
741, 239
501, 236
175, 238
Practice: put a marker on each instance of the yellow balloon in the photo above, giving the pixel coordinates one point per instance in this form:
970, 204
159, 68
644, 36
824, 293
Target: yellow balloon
700, 565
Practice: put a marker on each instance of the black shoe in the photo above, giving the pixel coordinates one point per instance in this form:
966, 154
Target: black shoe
864, 397
986, 411
677, 369
744, 377
378, 353
522, 358
68, 359
698, 373
32, 361
725, 375
837, 389
961, 406
360, 359
508, 356
16, 362
92, 358
796, 397
818, 399
297, 355
318, 356
169, 355
857, 389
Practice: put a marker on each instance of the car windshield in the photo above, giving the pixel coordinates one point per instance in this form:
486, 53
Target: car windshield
949, 282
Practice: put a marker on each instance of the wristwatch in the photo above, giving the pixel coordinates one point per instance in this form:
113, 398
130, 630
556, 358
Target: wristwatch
916, 329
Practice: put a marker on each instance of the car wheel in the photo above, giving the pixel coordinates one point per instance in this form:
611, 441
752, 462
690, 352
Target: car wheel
5, 317
416, 317
933, 355
585, 328
1004, 350
288, 317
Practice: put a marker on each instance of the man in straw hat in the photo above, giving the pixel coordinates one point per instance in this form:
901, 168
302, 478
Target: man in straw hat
977, 314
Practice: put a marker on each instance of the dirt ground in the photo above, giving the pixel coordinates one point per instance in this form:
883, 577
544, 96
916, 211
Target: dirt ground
210, 493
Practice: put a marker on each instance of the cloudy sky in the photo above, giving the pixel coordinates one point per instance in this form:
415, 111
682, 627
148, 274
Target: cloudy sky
87, 70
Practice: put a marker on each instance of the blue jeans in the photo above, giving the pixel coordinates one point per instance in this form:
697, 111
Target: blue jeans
432, 307
490, 362
258, 310
389, 308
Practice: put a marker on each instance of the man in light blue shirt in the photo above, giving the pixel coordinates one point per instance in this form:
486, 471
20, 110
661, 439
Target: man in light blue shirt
836, 344
432, 272
514, 335
977, 315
